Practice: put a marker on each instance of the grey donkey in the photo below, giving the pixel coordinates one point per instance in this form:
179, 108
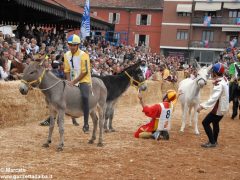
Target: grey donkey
65, 99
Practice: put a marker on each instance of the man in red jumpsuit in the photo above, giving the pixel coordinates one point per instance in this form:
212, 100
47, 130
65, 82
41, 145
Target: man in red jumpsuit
160, 115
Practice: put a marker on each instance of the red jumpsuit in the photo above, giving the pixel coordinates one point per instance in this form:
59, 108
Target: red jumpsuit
153, 112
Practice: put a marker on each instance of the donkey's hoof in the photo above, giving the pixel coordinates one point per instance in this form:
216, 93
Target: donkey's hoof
112, 130
100, 144
181, 131
46, 145
106, 131
91, 141
59, 149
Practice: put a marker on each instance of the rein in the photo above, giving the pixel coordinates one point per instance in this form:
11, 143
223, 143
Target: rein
39, 80
132, 81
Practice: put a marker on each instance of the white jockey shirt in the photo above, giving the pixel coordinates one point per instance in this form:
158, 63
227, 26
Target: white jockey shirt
75, 65
165, 117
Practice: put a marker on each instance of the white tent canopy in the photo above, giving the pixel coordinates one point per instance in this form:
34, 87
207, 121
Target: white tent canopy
203, 6
184, 8
231, 5
231, 29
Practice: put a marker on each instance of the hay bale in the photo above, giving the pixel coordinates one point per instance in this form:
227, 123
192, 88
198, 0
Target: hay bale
180, 75
19, 109
166, 85
151, 95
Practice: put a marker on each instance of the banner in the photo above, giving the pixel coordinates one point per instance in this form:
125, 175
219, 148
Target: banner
233, 42
238, 21
85, 25
207, 21
206, 44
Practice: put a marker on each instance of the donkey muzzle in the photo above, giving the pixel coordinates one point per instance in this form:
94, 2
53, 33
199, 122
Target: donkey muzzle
143, 87
23, 89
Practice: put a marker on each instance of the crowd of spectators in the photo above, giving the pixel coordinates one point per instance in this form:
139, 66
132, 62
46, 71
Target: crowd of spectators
106, 59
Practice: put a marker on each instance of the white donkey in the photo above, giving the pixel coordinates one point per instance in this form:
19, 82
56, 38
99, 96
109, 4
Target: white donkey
189, 96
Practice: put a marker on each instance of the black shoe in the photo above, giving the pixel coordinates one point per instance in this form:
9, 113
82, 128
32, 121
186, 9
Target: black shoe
165, 135
45, 123
85, 128
208, 145
74, 121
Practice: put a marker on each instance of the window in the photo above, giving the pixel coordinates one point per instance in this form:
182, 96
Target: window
183, 14
207, 35
211, 13
182, 34
114, 18
142, 40
231, 35
234, 14
143, 19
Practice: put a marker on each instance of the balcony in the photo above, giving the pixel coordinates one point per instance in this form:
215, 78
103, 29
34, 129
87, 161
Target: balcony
215, 20
214, 44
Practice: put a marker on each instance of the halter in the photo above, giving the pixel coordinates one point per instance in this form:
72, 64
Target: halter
133, 80
202, 79
39, 80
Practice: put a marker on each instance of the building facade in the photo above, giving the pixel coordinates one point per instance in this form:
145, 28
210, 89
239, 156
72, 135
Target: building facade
136, 21
200, 29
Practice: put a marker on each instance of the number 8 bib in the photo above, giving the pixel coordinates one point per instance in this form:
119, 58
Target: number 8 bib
165, 118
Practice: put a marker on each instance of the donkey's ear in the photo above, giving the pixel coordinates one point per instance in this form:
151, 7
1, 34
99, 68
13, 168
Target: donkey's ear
138, 62
41, 63
198, 65
209, 68
238, 70
43, 59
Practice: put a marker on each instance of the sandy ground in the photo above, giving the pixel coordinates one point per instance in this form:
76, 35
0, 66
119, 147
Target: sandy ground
123, 156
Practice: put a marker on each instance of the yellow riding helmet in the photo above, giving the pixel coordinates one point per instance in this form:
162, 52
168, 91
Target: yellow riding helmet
74, 39
172, 96
238, 56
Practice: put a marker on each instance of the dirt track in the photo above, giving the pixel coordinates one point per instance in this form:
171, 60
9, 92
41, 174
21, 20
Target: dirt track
123, 156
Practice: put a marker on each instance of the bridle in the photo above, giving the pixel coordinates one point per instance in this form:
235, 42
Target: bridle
39, 81
132, 81
202, 79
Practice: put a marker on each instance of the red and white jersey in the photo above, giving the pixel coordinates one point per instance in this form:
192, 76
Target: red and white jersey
165, 117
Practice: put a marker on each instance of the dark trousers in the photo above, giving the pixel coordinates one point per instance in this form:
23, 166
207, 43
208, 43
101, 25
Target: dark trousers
84, 88
234, 95
235, 107
231, 84
212, 133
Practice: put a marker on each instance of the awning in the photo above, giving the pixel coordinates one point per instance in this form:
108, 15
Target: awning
231, 5
184, 8
231, 29
47, 13
202, 6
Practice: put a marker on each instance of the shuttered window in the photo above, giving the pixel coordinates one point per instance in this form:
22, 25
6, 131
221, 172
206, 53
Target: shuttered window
207, 35
136, 41
182, 34
147, 41
144, 19
114, 18
110, 17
